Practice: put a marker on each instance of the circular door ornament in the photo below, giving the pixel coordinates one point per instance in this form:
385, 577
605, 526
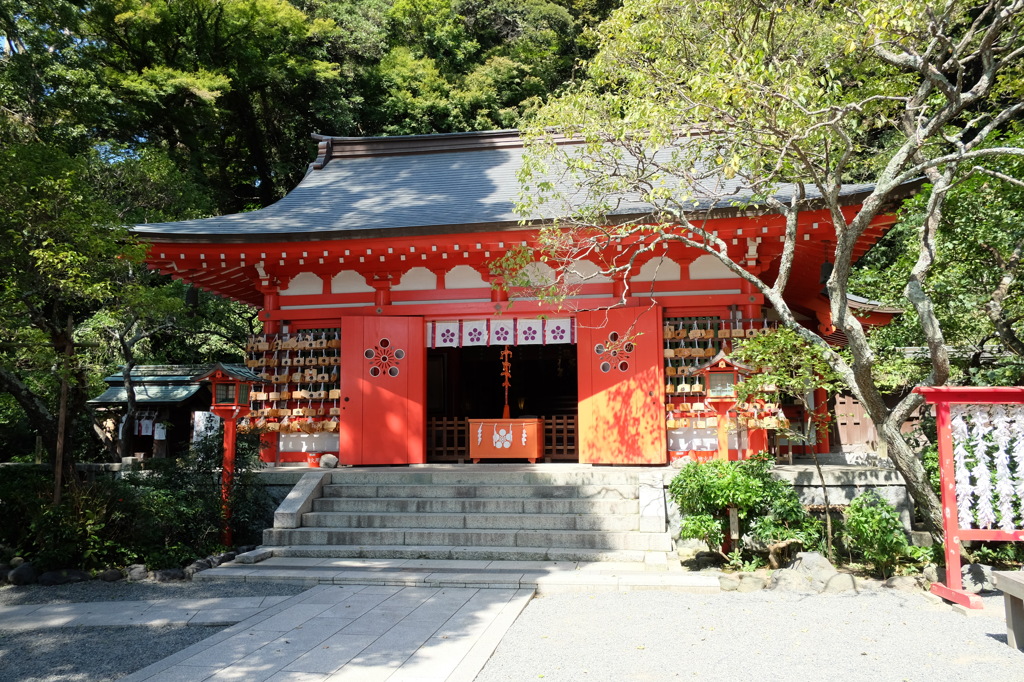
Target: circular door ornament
614, 353
383, 359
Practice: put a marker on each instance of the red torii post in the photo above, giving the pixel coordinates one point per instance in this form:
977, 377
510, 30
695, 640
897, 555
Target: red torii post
943, 397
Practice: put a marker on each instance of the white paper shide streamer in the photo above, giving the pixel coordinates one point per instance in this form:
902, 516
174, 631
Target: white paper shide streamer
964, 489
989, 440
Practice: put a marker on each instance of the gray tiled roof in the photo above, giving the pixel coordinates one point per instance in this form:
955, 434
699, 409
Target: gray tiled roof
463, 189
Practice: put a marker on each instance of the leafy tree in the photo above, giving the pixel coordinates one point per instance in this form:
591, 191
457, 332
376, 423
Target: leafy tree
684, 94
804, 368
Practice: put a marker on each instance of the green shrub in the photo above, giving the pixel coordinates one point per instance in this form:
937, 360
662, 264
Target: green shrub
163, 517
767, 508
874, 531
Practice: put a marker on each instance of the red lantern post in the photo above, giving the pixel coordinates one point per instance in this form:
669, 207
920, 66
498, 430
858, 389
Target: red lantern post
230, 386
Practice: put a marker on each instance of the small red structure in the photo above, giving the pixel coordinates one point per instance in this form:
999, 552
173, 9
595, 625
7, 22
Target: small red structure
230, 388
967, 492
385, 249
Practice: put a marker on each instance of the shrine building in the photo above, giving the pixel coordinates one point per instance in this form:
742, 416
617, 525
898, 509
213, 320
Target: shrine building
388, 340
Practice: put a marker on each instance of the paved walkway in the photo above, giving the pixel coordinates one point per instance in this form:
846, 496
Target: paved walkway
354, 632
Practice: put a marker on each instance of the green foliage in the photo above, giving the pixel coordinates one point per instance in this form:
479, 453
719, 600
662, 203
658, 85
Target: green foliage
767, 508
873, 531
162, 517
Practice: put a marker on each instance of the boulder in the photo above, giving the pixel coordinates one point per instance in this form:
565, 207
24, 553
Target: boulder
840, 582
931, 573
790, 580
689, 549
903, 583
110, 575
22, 574
202, 564
751, 582
15, 562
817, 569
63, 577
328, 462
137, 572
166, 575
214, 560
977, 578
728, 583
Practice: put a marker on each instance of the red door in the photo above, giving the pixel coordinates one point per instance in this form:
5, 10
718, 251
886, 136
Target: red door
621, 411
383, 391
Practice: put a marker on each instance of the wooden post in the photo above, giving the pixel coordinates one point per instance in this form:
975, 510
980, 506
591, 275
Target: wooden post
228, 478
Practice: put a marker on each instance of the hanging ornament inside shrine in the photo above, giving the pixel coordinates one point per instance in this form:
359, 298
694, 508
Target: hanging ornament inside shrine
506, 372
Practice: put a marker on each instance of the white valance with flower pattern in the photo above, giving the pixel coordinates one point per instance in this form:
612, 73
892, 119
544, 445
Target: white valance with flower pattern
500, 332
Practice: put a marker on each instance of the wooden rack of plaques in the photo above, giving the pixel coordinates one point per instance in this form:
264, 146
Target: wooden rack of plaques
691, 418
300, 392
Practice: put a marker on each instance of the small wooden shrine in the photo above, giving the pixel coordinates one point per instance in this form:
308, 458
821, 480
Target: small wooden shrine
384, 322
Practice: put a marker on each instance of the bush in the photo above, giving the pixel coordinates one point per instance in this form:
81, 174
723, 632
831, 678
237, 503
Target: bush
163, 517
874, 531
768, 509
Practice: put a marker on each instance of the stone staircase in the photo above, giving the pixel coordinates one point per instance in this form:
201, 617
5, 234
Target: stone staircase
491, 512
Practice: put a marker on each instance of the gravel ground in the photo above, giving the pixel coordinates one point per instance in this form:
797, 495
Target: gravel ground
878, 635
90, 654
645, 636
95, 654
122, 590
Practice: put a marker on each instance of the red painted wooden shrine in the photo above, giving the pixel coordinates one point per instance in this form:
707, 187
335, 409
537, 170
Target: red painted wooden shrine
382, 317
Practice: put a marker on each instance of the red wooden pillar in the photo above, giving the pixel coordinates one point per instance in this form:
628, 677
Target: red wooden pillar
270, 443
228, 478
822, 442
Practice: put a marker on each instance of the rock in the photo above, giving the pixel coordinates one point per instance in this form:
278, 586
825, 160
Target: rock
817, 569
165, 575
690, 548
137, 572
110, 575
750, 582
328, 462
790, 580
246, 548
22, 574
977, 578
840, 582
705, 560
202, 564
63, 577
189, 571
214, 560
931, 573
903, 583
728, 583
228, 556
15, 562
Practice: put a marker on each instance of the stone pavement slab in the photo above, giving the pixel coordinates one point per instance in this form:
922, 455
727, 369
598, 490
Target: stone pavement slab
336, 633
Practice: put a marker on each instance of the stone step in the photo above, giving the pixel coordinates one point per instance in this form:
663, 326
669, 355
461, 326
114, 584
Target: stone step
605, 522
607, 573
450, 552
619, 492
475, 505
570, 539
490, 474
